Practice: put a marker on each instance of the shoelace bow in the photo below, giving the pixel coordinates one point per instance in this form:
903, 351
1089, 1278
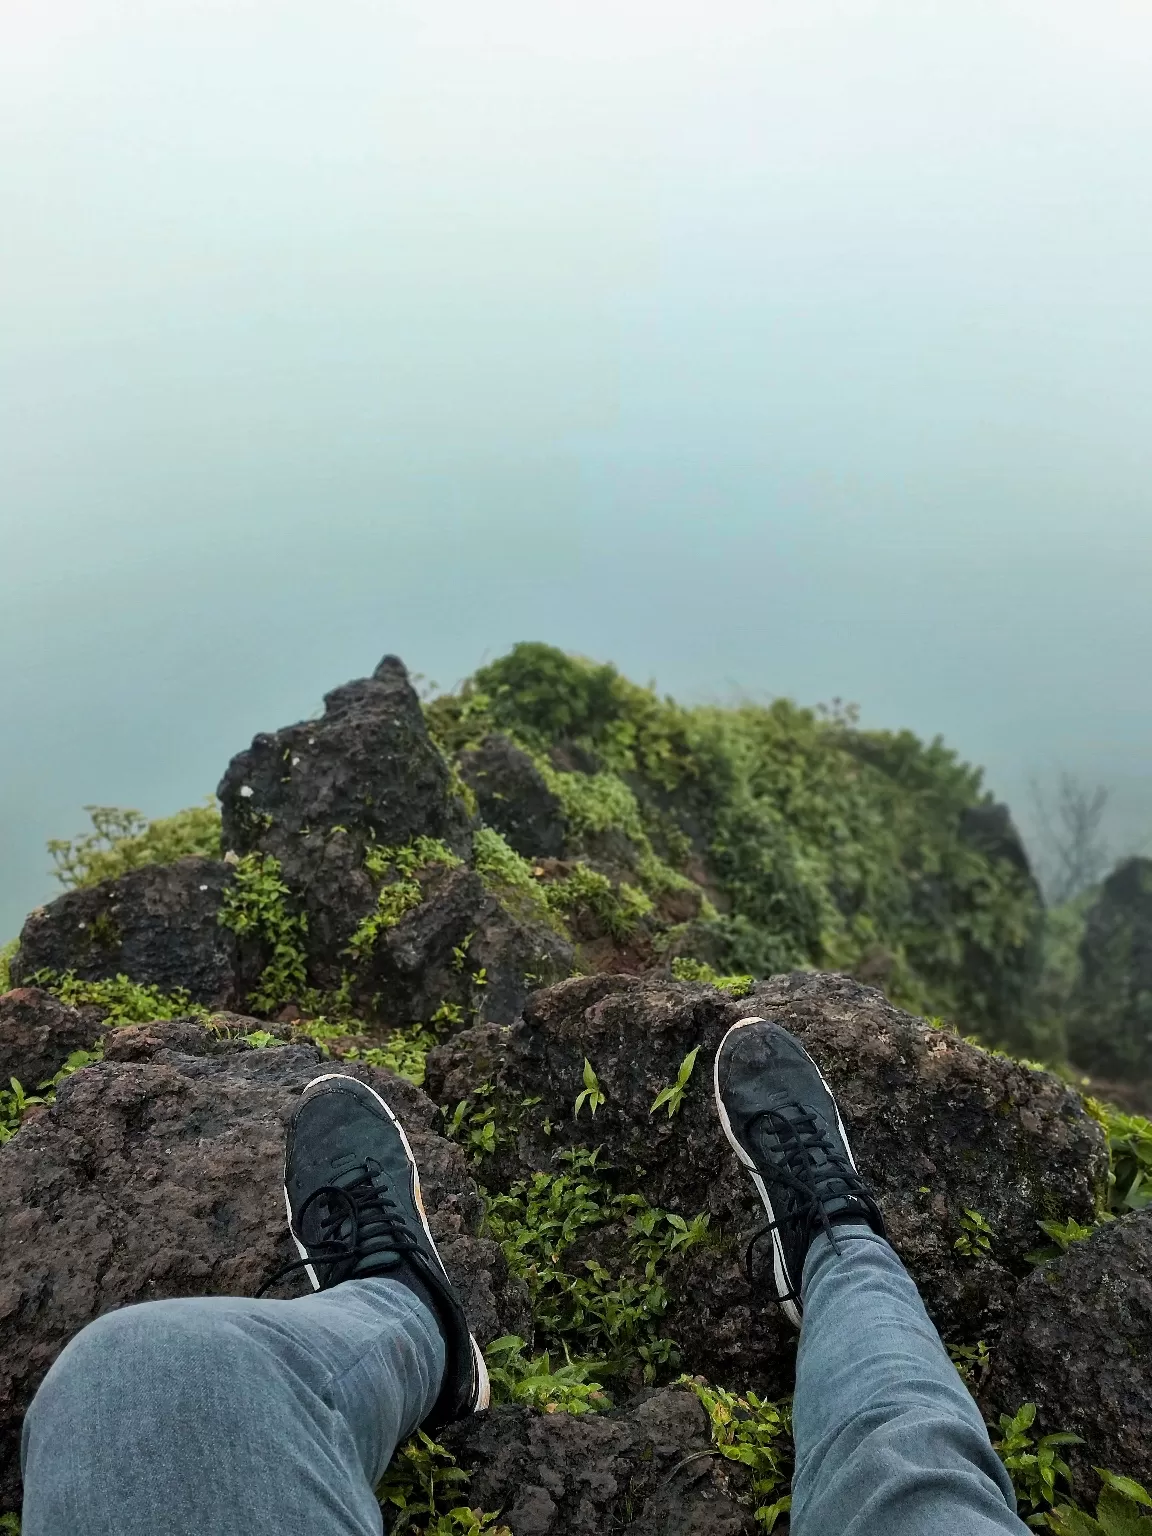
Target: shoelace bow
799, 1136
362, 1204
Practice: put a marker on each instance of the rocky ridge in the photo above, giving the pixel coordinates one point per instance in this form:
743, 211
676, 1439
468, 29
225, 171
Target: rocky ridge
377, 904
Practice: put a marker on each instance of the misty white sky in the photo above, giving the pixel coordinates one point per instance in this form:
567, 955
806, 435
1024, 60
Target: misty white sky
778, 348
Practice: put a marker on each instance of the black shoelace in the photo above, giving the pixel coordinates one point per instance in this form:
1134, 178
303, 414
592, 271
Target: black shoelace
810, 1184
371, 1213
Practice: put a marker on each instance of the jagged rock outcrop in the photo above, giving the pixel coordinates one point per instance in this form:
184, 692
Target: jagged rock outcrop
464, 947
511, 796
158, 1172
939, 1127
38, 1033
158, 925
1110, 1023
647, 1468
316, 795
1077, 1342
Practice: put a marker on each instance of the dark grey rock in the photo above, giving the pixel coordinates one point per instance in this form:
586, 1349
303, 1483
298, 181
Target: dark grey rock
937, 1126
512, 797
38, 1033
1077, 1342
157, 925
162, 1177
317, 794
560, 1475
461, 946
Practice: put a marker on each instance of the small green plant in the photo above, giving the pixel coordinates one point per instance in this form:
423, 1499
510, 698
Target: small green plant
474, 1128
976, 1235
518, 1377
589, 1311
256, 905
591, 1093
1035, 1465
9, 1525
13, 1104
686, 969
74, 1062
419, 1489
510, 877
404, 1052
1130, 1154
1119, 1510
757, 1433
971, 1361
673, 1095
1063, 1235
122, 840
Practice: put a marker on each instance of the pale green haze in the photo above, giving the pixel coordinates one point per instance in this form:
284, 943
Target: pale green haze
760, 348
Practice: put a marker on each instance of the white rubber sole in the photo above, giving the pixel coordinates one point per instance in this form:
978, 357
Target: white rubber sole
483, 1383
784, 1291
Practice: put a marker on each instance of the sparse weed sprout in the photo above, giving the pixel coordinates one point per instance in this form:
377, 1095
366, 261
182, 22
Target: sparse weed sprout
1063, 1235
673, 1095
976, 1235
592, 1093
420, 1489
518, 1377
758, 1434
1035, 1466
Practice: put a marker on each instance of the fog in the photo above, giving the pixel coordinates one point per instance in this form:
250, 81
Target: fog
763, 349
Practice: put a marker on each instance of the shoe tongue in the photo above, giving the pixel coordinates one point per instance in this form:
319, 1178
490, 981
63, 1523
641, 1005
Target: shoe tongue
813, 1160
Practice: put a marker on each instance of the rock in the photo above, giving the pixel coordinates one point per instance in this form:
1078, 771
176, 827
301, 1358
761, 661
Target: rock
317, 794
1077, 1342
162, 1177
38, 1033
1110, 1028
156, 925
512, 797
938, 1127
562, 1475
463, 947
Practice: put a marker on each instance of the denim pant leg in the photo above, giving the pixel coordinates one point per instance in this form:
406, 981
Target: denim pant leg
214, 1415
888, 1440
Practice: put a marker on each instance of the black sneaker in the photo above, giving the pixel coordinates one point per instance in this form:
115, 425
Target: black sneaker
783, 1123
352, 1190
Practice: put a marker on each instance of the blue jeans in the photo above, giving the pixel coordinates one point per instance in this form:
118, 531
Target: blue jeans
217, 1415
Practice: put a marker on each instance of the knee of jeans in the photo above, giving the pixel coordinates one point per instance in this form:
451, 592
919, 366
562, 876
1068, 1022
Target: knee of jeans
134, 1338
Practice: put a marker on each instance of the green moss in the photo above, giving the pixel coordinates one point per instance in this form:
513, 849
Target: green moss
122, 840
509, 877
619, 909
684, 968
832, 846
121, 1000
257, 904
404, 1052
398, 868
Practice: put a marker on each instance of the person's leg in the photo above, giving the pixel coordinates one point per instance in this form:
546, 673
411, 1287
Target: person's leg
214, 1415
888, 1439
